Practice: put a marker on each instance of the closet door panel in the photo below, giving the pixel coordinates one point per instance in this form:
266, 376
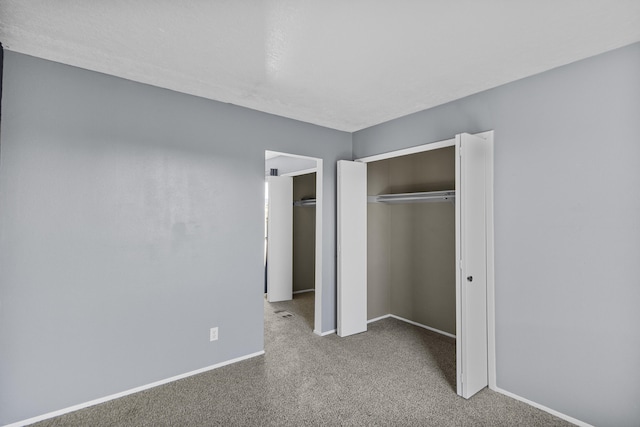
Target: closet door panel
472, 369
352, 248
280, 239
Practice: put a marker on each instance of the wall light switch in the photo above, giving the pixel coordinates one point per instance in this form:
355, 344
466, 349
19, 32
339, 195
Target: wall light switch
213, 334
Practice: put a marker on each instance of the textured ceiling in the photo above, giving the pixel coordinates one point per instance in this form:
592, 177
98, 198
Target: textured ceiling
342, 64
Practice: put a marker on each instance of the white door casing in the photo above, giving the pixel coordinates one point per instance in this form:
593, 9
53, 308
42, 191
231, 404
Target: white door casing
280, 239
471, 272
352, 248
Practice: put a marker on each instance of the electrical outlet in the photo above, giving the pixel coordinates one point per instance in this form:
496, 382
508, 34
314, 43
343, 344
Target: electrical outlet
213, 334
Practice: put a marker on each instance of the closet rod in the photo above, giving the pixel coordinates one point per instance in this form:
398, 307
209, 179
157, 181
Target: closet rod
305, 202
421, 197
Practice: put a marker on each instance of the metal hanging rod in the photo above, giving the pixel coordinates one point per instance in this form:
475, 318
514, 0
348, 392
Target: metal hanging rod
420, 197
305, 202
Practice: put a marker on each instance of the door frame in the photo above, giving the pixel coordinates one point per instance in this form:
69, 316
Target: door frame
488, 136
317, 311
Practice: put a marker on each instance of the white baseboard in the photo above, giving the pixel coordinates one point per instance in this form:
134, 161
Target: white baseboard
413, 323
323, 334
303, 291
128, 392
542, 407
386, 316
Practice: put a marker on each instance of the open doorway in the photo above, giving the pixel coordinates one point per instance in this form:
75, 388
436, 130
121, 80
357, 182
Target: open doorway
293, 232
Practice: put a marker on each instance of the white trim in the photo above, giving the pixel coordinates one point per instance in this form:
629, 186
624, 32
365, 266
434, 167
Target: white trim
130, 391
491, 277
423, 326
407, 151
458, 266
317, 315
412, 323
324, 334
542, 407
386, 316
420, 148
300, 172
303, 291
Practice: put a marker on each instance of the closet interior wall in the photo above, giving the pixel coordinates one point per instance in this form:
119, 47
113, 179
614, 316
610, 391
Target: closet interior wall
304, 233
411, 246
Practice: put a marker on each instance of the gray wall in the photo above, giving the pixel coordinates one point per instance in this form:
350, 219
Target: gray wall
304, 234
567, 228
131, 222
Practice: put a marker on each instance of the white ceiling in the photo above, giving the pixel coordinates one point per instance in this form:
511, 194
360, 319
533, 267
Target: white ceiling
342, 64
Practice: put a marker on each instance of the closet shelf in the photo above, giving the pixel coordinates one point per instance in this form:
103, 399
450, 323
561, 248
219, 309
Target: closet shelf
421, 197
305, 202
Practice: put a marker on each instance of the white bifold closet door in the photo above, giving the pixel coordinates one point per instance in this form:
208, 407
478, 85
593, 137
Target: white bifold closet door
471, 275
280, 238
352, 248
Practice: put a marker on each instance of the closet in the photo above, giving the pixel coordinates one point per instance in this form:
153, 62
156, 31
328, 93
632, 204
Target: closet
304, 232
415, 241
411, 239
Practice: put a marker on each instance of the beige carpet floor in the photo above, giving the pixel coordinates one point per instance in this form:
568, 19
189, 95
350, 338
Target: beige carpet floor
393, 375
